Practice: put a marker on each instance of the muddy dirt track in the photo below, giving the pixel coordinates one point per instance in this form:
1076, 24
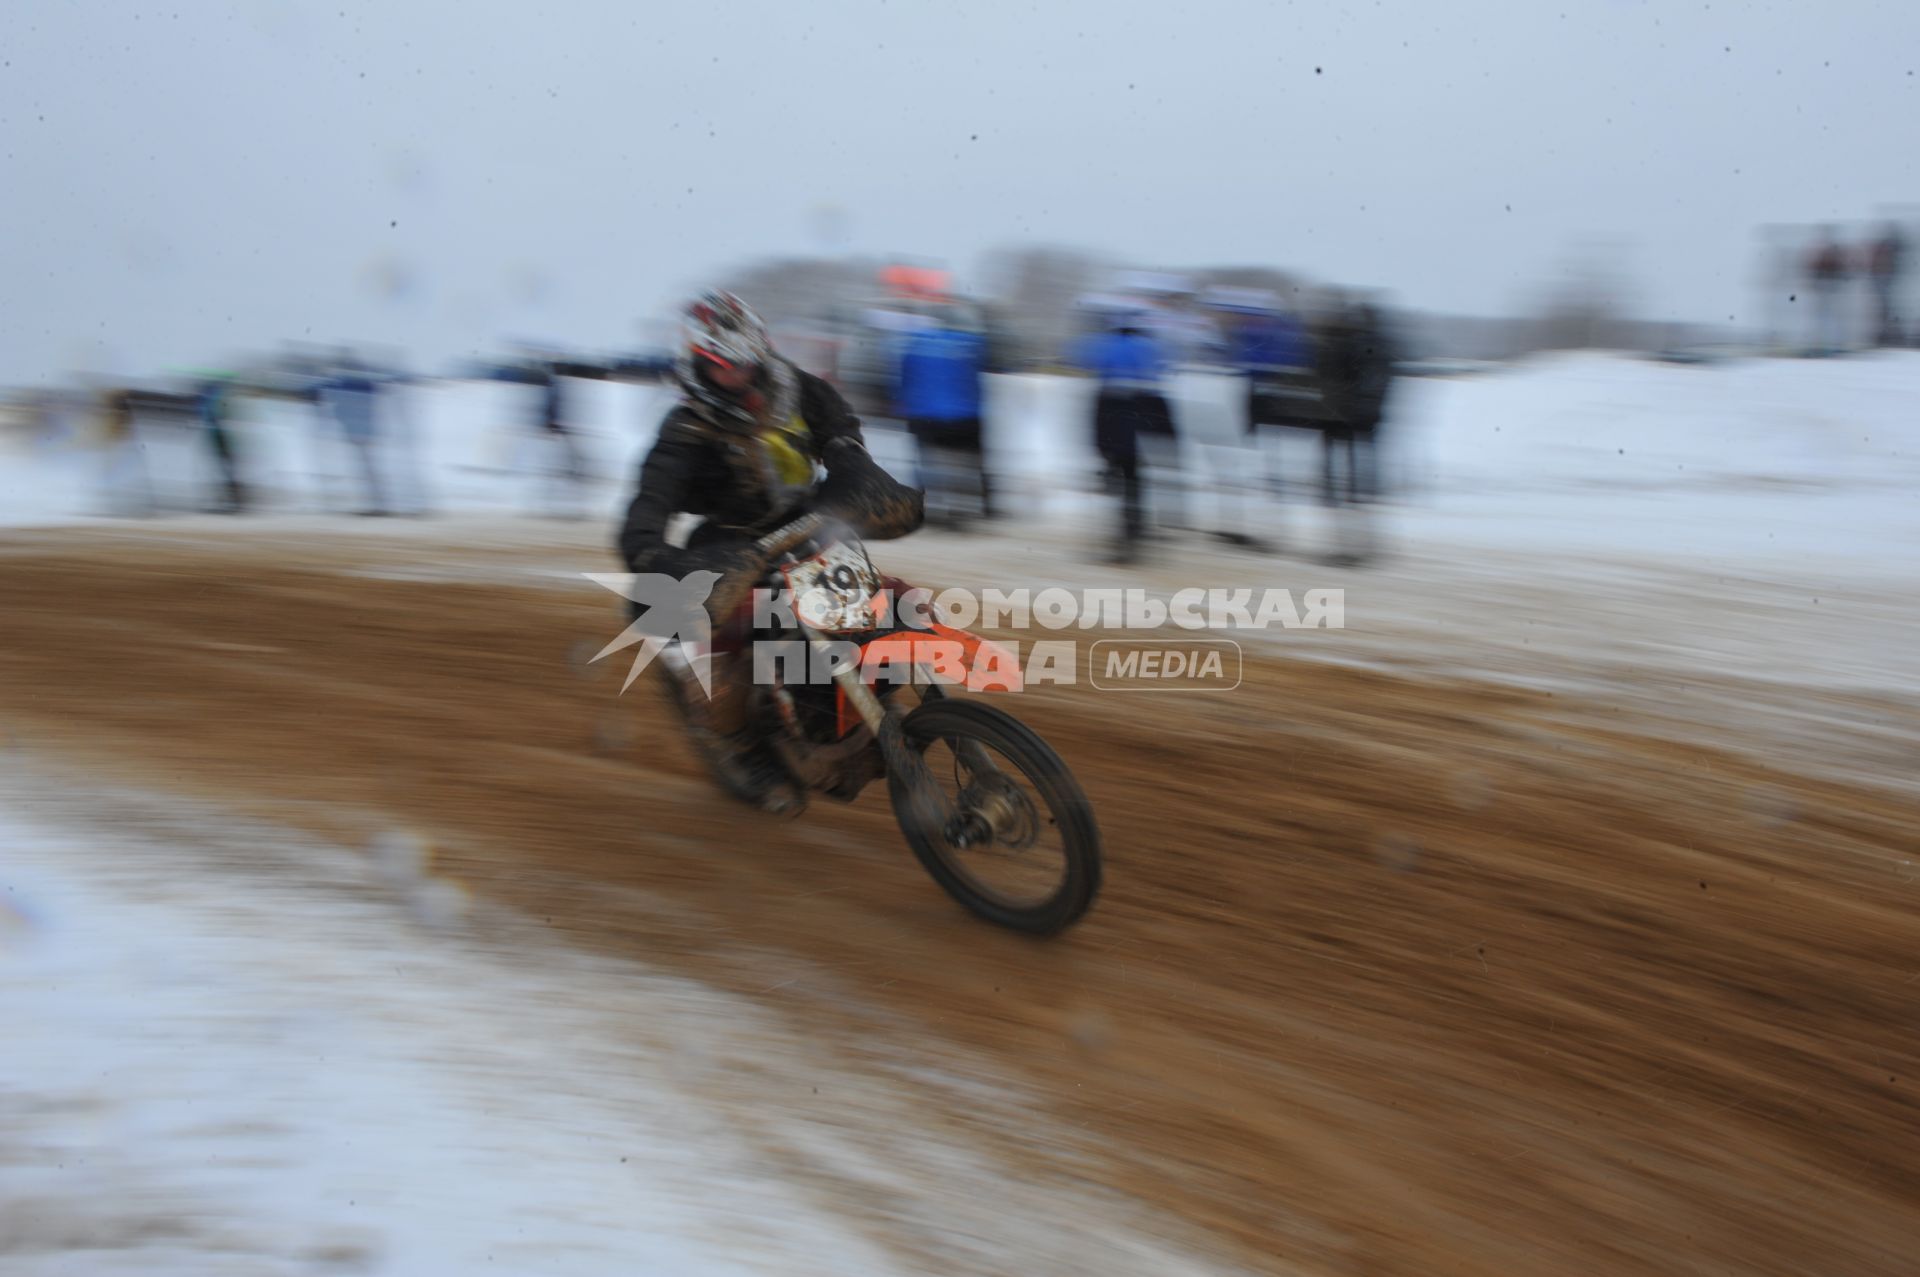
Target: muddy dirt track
1391, 975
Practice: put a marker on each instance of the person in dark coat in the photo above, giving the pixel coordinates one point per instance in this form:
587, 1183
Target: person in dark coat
213, 406
1355, 366
547, 375
1886, 266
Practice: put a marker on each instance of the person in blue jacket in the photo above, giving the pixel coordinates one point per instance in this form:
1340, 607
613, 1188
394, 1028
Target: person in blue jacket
1131, 403
1270, 349
940, 392
1275, 354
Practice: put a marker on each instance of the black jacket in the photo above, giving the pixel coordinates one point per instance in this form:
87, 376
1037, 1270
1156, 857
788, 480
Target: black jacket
696, 468
1355, 370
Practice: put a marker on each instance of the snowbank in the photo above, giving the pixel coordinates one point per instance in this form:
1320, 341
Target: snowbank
1814, 461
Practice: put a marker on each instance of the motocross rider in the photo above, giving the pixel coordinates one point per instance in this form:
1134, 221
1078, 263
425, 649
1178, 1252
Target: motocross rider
743, 450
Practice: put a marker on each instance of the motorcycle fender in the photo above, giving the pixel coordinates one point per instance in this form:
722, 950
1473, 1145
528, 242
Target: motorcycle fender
990, 667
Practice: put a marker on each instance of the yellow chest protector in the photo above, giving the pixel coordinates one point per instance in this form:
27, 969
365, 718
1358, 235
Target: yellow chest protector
787, 454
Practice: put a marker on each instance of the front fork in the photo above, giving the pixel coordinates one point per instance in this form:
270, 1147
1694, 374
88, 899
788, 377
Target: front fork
926, 804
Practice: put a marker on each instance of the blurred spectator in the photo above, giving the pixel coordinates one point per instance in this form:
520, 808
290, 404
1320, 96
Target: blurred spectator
566, 469
1131, 403
1267, 347
1186, 336
1356, 373
868, 360
569, 472
1271, 350
401, 411
124, 476
1180, 337
213, 406
1826, 279
1001, 347
940, 393
1886, 265
351, 397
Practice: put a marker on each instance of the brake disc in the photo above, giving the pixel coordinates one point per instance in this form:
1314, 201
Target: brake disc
1005, 808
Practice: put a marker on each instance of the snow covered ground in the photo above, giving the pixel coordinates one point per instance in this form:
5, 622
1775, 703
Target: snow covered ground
231, 1073
229, 1049
1786, 463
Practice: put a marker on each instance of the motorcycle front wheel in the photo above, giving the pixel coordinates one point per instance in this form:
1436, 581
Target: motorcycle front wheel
1017, 843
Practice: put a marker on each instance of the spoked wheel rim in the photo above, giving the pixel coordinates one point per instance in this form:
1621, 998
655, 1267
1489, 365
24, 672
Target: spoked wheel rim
995, 817
999, 837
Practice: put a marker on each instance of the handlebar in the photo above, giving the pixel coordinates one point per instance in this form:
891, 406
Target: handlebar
788, 535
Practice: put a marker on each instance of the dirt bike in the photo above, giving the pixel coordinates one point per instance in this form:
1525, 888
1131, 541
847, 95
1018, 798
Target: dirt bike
988, 808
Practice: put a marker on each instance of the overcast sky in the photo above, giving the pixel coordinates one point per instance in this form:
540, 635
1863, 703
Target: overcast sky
191, 179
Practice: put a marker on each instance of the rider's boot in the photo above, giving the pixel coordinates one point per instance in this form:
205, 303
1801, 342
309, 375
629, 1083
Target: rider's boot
739, 757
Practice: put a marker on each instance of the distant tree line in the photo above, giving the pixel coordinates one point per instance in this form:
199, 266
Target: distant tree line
1030, 295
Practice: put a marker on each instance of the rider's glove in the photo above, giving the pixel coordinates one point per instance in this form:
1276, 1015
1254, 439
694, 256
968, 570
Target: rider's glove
861, 494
